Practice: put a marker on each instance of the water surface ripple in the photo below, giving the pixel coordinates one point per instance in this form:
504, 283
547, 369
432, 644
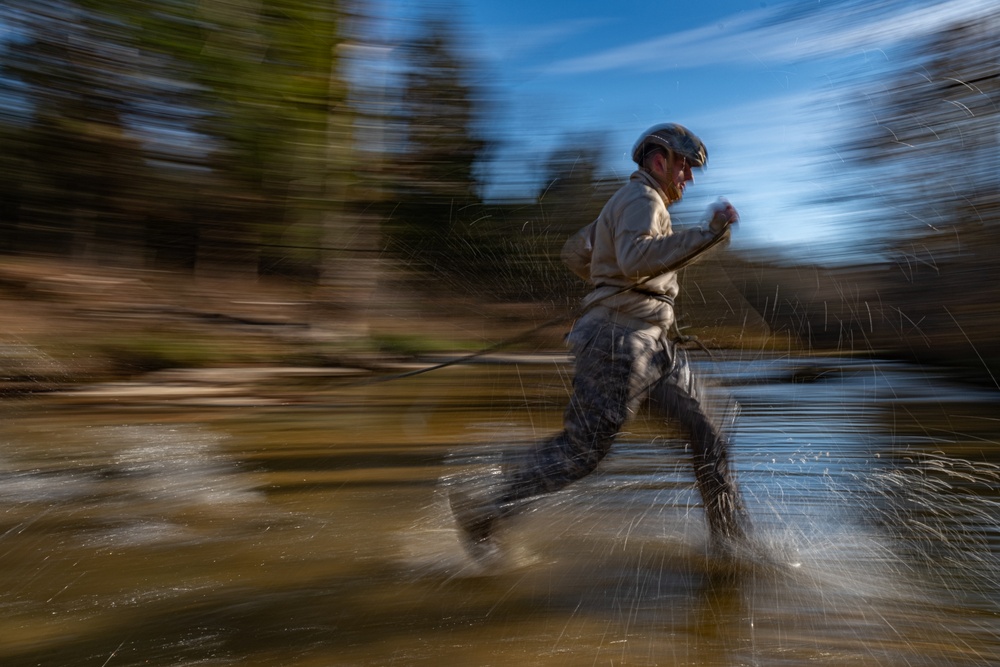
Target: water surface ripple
305, 524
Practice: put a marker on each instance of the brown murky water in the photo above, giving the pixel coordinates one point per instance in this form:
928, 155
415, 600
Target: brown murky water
303, 524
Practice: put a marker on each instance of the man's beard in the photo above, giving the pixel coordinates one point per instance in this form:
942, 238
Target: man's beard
673, 192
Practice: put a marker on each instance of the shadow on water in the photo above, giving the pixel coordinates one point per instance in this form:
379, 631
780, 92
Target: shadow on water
312, 529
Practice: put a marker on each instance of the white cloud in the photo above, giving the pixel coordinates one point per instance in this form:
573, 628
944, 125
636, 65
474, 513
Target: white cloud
748, 38
523, 41
705, 45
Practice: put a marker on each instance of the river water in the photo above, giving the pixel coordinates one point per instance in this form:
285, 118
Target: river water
299, 519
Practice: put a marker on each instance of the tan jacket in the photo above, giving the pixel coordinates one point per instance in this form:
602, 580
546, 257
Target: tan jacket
632, 241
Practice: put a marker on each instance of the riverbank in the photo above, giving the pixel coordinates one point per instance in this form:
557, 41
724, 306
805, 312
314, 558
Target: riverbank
68, 324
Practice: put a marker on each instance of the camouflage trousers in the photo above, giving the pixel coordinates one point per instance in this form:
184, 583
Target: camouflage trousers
618, 368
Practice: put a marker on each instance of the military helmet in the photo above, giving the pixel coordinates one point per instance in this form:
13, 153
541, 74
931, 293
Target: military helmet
674, 137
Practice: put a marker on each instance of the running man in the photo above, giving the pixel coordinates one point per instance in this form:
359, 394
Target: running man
623, 354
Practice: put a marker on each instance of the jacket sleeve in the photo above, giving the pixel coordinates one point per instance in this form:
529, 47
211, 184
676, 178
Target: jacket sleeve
577, 251
642, 250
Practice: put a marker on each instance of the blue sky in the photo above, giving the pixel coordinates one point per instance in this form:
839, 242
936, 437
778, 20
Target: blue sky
763, 83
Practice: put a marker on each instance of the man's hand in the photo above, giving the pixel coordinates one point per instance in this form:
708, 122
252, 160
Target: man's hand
720, 215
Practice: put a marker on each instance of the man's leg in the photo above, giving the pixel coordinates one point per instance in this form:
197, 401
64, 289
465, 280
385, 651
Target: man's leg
679, 396
608, 376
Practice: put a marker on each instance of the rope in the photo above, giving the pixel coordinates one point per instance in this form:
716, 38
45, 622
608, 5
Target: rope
574, 314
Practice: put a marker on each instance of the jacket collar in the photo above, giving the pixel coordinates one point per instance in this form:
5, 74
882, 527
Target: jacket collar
644, 177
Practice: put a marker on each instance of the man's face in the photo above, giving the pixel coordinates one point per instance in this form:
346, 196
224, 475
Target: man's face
673, 175
680, 173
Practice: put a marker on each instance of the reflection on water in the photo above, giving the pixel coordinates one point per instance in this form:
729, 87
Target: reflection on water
304, 524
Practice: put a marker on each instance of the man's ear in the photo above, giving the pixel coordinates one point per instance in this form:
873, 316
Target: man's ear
662, 160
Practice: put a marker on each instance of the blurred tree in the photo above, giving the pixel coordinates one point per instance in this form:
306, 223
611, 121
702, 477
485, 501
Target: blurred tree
78, 168
214, 128
924, 177
434, 150
932, 145
262, 78
571, 177
572, 192
431, 152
